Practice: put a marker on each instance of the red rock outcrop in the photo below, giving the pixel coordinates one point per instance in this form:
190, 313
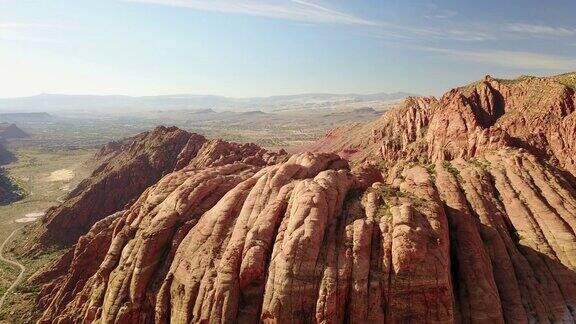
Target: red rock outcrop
140, 163
131, 166
537, 114
468, 218
303, 241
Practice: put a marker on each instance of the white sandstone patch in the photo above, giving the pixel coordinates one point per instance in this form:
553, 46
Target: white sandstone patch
30, 217
61, 175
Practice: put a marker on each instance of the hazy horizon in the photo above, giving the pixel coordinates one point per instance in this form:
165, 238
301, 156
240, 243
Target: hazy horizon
211, 95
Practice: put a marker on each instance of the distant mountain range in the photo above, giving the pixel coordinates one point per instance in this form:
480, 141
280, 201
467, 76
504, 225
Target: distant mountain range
113, 103
17, 117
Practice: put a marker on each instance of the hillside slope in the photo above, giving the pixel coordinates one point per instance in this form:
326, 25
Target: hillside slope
533, 113
9, 191
458, 209
131, 166
10, 131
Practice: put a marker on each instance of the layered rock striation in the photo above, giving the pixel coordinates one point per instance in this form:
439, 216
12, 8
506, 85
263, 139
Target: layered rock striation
537, 114
453, 210
131, 166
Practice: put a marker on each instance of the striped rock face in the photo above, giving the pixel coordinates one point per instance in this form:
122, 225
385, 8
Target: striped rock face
129, 167
453, 210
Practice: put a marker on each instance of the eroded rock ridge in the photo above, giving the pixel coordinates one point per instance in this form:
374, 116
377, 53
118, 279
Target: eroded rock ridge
453, 210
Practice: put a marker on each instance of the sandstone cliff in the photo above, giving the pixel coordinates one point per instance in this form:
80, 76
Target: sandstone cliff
140, 163
537, 114
458, 209
131, 166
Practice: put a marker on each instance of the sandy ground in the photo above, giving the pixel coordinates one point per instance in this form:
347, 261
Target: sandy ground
61, 175
30, 217
43, 175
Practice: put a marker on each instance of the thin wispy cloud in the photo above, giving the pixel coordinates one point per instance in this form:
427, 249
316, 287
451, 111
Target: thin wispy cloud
540, 30
474, 32
463, 34
23, 38
313, 12
443, 14
513, 59
298, 10
435, 12
448, 27
26, 31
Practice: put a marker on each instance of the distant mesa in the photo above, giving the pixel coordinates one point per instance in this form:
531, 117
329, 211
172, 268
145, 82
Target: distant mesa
358, 112
254, 112
6, 156
95, 103
9, 191
203, 111
366, 110
11, 131
25, 117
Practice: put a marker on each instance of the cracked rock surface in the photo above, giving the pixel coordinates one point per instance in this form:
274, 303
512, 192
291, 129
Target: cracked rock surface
453, 210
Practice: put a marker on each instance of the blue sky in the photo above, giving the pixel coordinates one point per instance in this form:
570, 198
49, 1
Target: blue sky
249, 48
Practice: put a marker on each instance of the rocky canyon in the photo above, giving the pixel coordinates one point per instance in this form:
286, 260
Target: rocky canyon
458, 209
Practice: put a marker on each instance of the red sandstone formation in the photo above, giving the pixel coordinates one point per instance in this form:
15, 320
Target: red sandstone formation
140, 163
471, 218
129, 168
537, 114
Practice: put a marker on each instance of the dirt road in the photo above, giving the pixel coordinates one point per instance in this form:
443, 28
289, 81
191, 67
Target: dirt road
13, 263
